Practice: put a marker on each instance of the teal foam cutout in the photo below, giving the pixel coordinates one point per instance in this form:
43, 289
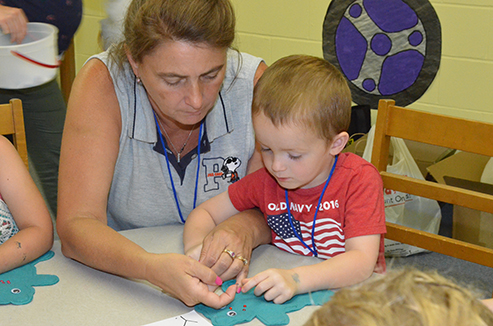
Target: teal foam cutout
17, 285
247, 306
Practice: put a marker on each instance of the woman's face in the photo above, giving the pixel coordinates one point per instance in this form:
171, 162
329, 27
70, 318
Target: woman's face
182, 79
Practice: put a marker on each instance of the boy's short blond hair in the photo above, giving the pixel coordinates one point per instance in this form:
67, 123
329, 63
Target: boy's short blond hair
404, 297
304, 90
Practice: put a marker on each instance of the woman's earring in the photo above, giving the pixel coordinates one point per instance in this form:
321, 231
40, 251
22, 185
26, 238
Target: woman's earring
139, 81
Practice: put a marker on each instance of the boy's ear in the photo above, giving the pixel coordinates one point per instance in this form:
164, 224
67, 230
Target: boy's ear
338, 143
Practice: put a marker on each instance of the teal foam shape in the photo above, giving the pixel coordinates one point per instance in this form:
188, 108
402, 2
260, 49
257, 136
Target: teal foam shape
247, 306
17, 285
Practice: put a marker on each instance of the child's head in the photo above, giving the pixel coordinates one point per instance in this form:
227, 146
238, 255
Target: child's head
404, 297
301, 111
306, 91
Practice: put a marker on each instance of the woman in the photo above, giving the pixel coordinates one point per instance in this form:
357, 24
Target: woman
171, 82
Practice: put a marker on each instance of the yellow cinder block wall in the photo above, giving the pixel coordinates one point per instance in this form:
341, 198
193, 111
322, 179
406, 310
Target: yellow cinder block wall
272, 29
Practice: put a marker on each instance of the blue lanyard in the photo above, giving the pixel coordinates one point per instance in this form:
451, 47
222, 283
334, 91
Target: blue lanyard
314, 250
169, 169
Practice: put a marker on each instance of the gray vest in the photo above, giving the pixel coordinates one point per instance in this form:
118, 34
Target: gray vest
141, 194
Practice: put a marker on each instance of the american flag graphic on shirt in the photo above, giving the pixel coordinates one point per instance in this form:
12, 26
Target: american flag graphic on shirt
329, 236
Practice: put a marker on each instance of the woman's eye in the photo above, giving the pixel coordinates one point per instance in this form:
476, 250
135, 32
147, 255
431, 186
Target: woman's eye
265, 149
172, 82
294, 157
210, 77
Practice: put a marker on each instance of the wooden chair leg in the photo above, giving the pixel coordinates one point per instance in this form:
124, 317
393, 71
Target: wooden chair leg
67, 71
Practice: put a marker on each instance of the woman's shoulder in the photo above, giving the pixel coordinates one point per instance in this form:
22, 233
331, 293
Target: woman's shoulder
113, 77
241, 65
94, 78
106, 62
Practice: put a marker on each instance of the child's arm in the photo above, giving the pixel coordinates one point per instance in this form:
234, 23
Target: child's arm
353, 266
35, 236
203, 219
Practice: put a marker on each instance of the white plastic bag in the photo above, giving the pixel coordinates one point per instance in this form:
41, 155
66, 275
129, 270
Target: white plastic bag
401, 208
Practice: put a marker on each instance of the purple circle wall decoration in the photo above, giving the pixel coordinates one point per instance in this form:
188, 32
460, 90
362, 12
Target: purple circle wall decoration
385, 48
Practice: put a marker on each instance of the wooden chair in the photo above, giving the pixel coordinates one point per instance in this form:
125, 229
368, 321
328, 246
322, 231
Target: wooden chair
12, 123
465, 135
67, 71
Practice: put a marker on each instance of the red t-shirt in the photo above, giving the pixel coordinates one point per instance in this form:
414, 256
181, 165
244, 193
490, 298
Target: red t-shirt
352, 206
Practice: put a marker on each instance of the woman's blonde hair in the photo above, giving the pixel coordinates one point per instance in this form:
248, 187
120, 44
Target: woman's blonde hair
148, 23
404, 297
304, 90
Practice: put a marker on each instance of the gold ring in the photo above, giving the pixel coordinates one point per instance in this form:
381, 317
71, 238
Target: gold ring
244, 260
230, 253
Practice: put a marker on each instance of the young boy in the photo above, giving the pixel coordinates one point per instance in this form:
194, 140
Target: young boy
317, 201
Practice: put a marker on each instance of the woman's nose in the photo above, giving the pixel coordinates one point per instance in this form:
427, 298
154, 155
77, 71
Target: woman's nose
194, 96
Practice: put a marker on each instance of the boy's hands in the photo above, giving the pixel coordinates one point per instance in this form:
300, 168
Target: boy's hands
277, 285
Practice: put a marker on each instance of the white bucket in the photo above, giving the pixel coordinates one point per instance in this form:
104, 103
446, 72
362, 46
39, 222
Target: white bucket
31, 63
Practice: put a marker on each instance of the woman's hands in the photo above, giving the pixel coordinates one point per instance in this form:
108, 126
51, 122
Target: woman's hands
13, 21
239, 234
213, 255
186, 279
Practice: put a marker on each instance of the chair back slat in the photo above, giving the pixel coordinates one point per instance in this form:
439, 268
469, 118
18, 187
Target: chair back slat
12, 123
465, 135
435, 129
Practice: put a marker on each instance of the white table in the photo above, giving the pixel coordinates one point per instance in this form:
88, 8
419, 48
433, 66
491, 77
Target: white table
85, 296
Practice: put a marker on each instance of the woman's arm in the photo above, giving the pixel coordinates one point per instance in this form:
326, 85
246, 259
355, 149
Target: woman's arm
35, 236
89, 151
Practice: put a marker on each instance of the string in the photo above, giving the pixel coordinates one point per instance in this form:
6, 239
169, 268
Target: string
169, 169
314, 250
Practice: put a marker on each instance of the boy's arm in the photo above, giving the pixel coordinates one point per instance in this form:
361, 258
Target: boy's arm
204, 218
353, 266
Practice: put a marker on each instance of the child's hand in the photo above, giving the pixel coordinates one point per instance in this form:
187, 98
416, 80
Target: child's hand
194, 252
277, 285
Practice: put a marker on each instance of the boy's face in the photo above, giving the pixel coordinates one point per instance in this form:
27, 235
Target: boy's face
293, 155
